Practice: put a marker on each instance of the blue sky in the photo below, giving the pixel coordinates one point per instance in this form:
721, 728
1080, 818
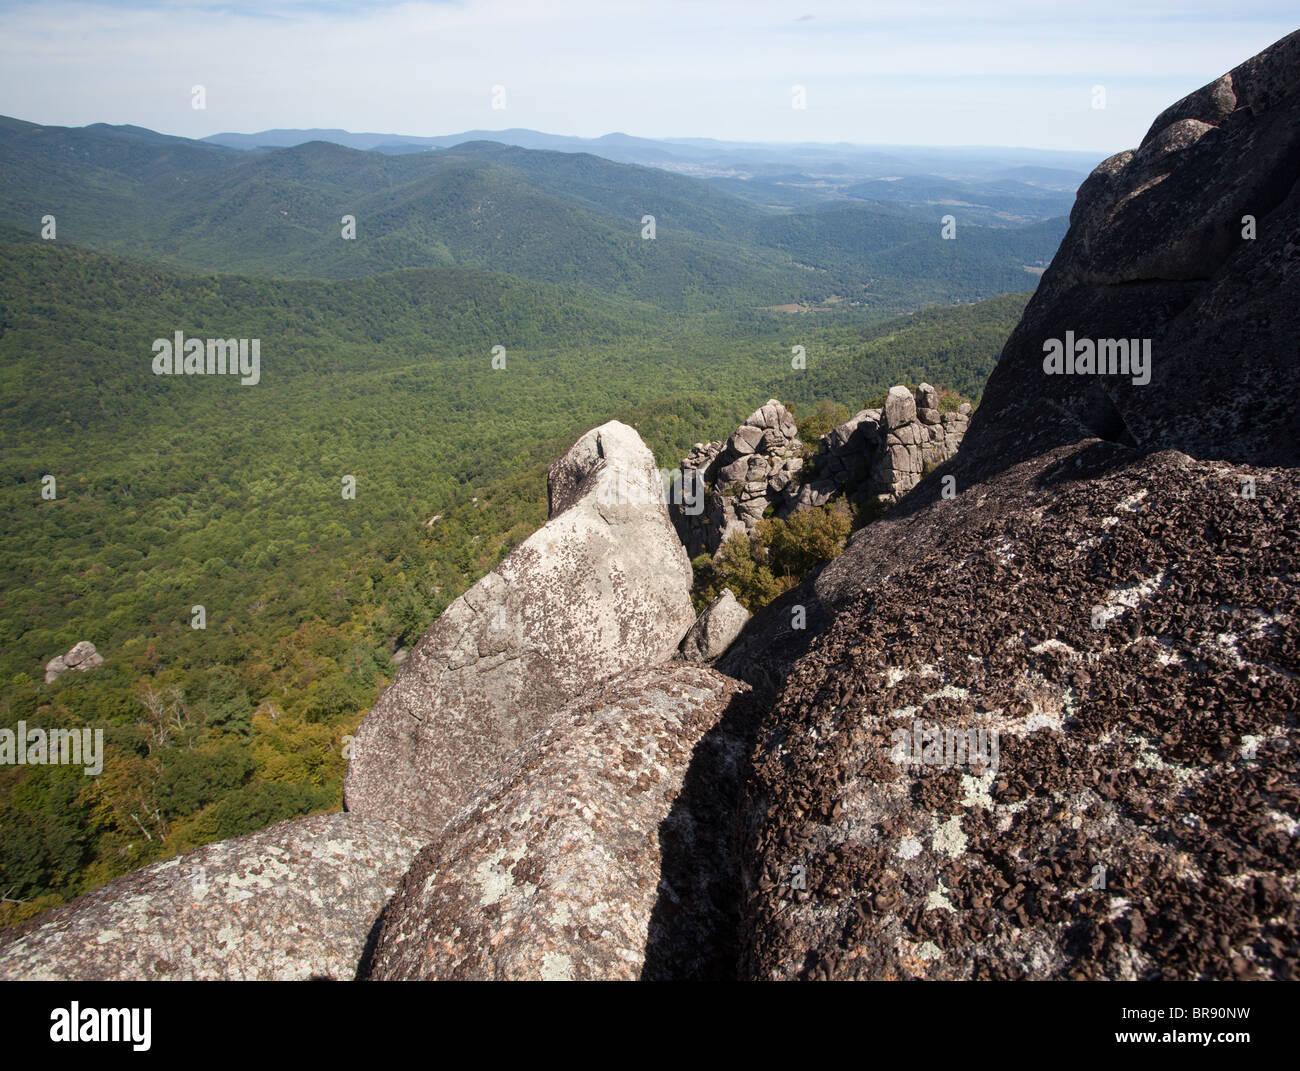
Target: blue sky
920, 72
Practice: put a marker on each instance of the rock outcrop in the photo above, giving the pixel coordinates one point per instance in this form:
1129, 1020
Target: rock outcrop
603, 849
83, 656
880, 454
714, 630
730, 486
877, 455
1110, 600
297, 900
601, 588
1042, 729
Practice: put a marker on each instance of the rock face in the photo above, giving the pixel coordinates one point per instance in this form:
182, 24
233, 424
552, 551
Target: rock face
739, 480
715, 629
1157, 250
877, 454
1109, 599
602, 587
603, 849
881, 454
295, 901
83, 656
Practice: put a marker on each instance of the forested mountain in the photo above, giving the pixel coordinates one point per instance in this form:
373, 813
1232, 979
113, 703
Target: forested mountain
377, 366
176, 491
567, 218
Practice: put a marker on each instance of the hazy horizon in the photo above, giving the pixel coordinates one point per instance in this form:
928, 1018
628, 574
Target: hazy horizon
930, 73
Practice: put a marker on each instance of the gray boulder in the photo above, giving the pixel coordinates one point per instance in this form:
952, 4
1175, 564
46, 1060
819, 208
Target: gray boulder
297, 900
715, 629
82, 657
603, 849
602, 587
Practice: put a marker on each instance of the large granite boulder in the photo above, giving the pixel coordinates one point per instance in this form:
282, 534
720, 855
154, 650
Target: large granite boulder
297, 900
603, 849
1051, 733
602, 587
82, 657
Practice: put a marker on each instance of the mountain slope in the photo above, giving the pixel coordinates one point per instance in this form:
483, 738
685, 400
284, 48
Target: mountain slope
553, 217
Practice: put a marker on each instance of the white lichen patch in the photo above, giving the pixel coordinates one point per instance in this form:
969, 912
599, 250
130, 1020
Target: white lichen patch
949, 838
928, 950
492, 878
1054, 645
908, 848
1132, 503
556, 967
938, 900
976, 790
1129, 597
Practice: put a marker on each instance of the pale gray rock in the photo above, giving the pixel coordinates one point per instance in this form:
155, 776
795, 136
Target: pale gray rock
297, 900
715, 629
900, 407
82, 657
603, 849
602, 587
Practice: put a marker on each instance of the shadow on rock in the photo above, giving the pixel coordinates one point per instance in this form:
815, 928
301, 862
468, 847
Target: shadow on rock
693, 925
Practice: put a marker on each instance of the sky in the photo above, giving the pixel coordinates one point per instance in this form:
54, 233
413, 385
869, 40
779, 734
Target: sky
1021, 73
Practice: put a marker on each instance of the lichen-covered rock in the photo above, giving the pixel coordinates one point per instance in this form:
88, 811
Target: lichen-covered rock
604, 848
602, 587
714, 630
1123, 633
297, 900
1108, 604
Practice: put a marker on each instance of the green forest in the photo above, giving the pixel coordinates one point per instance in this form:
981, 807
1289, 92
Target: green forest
436, 394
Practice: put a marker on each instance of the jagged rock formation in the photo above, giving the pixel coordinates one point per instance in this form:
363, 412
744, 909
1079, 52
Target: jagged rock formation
1112, 591
714, 630
881, 454
877, 454
739, 480
595, 852
602, 587
83, 656
295, 901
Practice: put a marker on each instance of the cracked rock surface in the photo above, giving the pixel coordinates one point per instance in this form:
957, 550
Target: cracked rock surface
603, 849
601, 588
297, 900
1114, 592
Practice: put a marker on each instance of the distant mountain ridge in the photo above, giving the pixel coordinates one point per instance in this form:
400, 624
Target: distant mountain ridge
567, 218
792, 174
